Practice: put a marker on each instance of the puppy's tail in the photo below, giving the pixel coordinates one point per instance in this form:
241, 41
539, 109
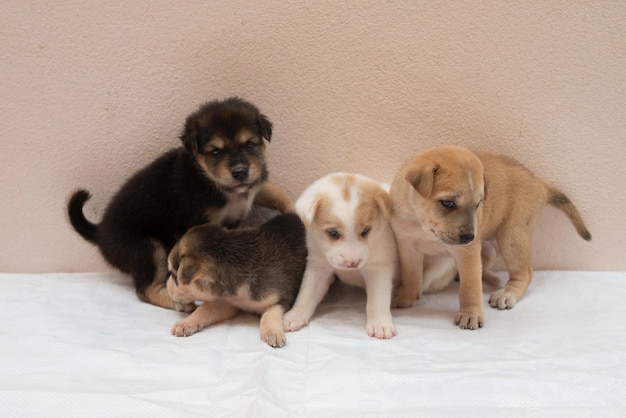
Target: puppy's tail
560, 201
85, 228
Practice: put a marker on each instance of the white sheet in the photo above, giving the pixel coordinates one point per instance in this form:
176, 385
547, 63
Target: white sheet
83, 345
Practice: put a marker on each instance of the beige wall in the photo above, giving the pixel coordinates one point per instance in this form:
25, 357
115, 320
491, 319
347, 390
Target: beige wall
90, 91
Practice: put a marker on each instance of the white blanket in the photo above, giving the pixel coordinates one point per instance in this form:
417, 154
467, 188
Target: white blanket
84, 345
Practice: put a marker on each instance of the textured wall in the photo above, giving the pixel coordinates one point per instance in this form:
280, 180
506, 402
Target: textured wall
89, 92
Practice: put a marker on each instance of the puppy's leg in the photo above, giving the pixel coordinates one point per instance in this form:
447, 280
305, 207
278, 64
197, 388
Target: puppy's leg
144, 258
208, 313
379, 286
439, 272
315, 283
470, 315
515, 249
489, 256
271, 325
411, 272
273, 197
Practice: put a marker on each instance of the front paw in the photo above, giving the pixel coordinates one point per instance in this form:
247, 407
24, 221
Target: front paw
469, 320
294, 320
186, 328
402, 298
381, 329
502, 299
274, 337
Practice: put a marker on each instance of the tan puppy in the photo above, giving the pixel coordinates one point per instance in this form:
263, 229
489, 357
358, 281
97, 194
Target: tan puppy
448, 200
257, 270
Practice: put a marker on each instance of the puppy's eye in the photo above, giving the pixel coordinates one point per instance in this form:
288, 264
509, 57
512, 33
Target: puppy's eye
448, 204
333, 233
365, 231
215, 152
250, 145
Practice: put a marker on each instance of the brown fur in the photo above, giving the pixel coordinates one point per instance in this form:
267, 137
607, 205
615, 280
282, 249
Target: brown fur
449, 200
216, 176
257, 270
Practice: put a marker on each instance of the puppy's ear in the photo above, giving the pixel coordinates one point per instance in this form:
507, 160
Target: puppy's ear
187, 270
173, 259
307, 207
265, 127
485, 184
422, 178
189, 137
383, 201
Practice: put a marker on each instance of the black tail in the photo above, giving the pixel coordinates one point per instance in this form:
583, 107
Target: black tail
75, 211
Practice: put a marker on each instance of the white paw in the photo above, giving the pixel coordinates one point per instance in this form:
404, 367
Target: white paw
380, 329
293, 321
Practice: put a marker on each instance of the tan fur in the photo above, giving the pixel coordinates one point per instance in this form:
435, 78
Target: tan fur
273, 197
493, 197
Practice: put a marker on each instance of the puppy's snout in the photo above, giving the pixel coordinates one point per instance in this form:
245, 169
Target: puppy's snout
354, 263
466, 238
240, 173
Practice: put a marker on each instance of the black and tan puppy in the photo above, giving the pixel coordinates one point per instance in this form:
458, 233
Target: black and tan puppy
215, 177
257, 270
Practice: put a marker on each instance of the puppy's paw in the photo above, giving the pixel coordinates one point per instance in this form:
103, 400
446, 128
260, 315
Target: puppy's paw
469, 320
401, 298
502, 299
293, 321
185, 307
274, 337
185, 328
381, 329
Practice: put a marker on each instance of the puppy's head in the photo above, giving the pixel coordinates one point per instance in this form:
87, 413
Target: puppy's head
449, 189
191, 271
227, 140
343, 215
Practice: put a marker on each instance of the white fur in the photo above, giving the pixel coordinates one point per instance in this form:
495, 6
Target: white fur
371, 263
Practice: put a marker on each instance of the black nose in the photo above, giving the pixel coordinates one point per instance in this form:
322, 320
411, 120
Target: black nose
240, 173
466, 238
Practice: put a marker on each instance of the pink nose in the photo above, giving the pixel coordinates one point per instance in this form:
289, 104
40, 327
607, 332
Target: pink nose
353, 264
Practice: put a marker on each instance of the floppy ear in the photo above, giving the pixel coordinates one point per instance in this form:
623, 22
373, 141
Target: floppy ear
189, 137
265, 126
383, 201
485, 184
422, 178
307, 207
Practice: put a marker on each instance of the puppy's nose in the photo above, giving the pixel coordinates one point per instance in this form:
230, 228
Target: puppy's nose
466, 238
353, 264
240, 173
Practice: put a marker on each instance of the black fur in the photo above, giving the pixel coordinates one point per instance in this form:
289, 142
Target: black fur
158, 204
267, 260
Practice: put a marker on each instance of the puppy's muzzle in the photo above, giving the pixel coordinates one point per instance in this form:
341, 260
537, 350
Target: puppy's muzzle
240, 173
466, 238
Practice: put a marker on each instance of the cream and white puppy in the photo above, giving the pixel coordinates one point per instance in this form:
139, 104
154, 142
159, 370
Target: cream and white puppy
348, 235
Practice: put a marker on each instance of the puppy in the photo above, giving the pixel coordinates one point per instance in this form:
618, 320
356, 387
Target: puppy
450, 201
215, 176
348, 236
257, 270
